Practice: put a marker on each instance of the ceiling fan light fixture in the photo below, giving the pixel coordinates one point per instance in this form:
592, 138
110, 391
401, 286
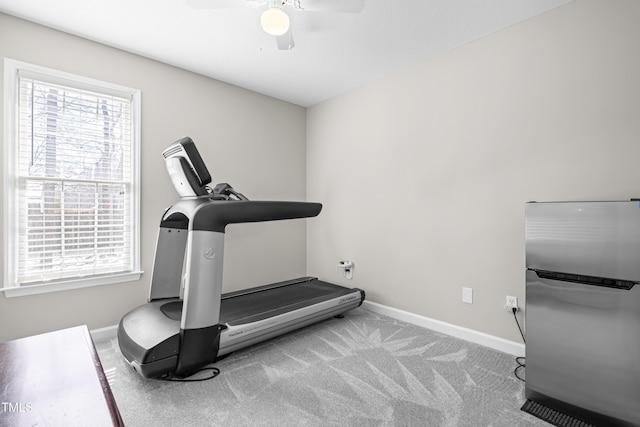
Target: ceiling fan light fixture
274, 21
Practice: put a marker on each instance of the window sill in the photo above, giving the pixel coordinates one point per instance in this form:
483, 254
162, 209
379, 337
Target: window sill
71, 284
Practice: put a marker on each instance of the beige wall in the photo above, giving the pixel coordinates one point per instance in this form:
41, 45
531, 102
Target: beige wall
252, 141
424, 174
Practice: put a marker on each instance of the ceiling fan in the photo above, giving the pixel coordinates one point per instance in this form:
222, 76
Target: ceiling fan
274, 19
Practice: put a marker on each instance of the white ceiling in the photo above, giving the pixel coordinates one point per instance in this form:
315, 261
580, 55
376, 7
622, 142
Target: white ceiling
334, 52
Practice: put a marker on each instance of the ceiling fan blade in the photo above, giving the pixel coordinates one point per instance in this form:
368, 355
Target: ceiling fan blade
221, 4
346, 6
285, 41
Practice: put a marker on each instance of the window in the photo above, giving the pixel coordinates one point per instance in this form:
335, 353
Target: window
71, 181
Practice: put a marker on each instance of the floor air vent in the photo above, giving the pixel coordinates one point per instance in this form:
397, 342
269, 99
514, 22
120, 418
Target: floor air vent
552, 416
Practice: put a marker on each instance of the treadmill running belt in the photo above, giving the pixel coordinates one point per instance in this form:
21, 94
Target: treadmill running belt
266, 303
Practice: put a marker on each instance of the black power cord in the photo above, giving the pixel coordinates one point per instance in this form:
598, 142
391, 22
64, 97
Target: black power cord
513, 310
519, 360
171, 378
521, 364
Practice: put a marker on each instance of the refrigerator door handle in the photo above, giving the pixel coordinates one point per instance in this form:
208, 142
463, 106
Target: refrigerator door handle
606, 282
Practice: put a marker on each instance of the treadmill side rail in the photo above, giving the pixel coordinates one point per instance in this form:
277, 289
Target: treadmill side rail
242, 335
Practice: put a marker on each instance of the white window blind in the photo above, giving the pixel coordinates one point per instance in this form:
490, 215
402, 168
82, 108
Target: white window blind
75, 181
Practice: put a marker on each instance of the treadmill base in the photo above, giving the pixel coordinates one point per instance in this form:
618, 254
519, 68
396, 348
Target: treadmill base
152, 341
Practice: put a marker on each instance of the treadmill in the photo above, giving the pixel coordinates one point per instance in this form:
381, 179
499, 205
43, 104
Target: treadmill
185, 326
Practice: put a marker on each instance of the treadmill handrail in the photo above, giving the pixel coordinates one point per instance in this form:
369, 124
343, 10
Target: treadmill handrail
217, 214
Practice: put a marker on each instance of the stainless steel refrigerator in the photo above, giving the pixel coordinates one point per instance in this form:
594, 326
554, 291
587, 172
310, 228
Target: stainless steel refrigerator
583, 309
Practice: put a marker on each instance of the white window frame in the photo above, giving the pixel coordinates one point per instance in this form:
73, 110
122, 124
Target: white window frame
12, 68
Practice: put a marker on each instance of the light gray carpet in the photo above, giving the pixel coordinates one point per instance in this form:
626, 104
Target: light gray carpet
362, 370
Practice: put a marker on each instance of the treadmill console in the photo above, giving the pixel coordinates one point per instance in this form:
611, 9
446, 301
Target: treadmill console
187, 169
190, 176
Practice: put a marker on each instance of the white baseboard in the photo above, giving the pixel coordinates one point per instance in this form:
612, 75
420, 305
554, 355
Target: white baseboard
104, 334
481, 338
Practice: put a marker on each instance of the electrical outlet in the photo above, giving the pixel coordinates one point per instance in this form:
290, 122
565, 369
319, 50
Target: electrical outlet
467, 295
511, 303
